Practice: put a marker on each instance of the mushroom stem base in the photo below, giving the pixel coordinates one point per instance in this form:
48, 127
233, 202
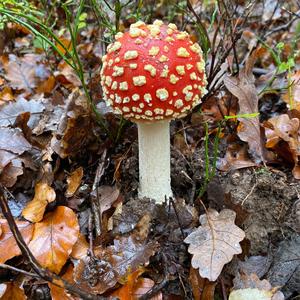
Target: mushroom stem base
154, 160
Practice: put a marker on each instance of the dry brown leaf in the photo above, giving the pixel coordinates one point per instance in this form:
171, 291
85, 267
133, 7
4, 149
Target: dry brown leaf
13, 141
292, 96
126, 255
10, 291
214, 243
54, 238
80, 248
244, 89
10, 173
202, 288
249, 287
58, 293
8, 245
135, 287
24, 73
34, 210
6, 95
74, 181
74, 127
12, 110
236, 157
284, 128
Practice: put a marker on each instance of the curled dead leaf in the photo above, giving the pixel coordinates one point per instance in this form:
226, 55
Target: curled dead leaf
54, 238
11, 291
214, 243
74, 181
34, 210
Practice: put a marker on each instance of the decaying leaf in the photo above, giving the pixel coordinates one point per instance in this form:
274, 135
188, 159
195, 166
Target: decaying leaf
215, 242
74, 181
8, 245
236, 157
244, 89
11, 291
135, 287
58, 293
249, 287
80, 248
12, 110
34, 210
284, 128
292, 96
74, 127
113, 263
24, 73
54, 238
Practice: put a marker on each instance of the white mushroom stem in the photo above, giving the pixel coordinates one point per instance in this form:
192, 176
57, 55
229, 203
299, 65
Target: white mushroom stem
154, 160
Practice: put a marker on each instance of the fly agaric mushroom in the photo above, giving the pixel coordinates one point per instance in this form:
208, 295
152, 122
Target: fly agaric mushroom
151, 75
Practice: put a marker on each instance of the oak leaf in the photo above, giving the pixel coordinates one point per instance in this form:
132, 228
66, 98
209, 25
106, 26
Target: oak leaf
248, 287
214, 243
54, 238
8, 245
34, 210
244, 89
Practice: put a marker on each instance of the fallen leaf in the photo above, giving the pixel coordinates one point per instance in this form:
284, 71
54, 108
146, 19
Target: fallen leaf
10, 112
34, 210
80, 248
236, 157
58, 293
135, 287
24, 73
74, 127
10, 291
107, 196
54, 238
244, 89
12, 140
113, 263
203, 289
292, 96
284, 128
214, 243
8, 245
10, 173
6, 95
74, 181
249, 287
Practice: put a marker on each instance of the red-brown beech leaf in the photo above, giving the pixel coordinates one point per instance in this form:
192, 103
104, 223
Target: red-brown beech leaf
11, 291
242, 87
214, 243
113, 263
8, 245
251, 287
54, 238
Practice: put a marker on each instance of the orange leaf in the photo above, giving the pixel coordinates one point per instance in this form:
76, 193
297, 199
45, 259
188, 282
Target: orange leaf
135, 287
8, 245
10, 291
80, 248
58, 293
74, 181
54, 238
34, 210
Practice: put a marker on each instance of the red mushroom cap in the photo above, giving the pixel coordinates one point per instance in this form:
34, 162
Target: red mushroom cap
153, 72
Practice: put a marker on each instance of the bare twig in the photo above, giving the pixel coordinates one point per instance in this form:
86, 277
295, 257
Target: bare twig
8, 267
